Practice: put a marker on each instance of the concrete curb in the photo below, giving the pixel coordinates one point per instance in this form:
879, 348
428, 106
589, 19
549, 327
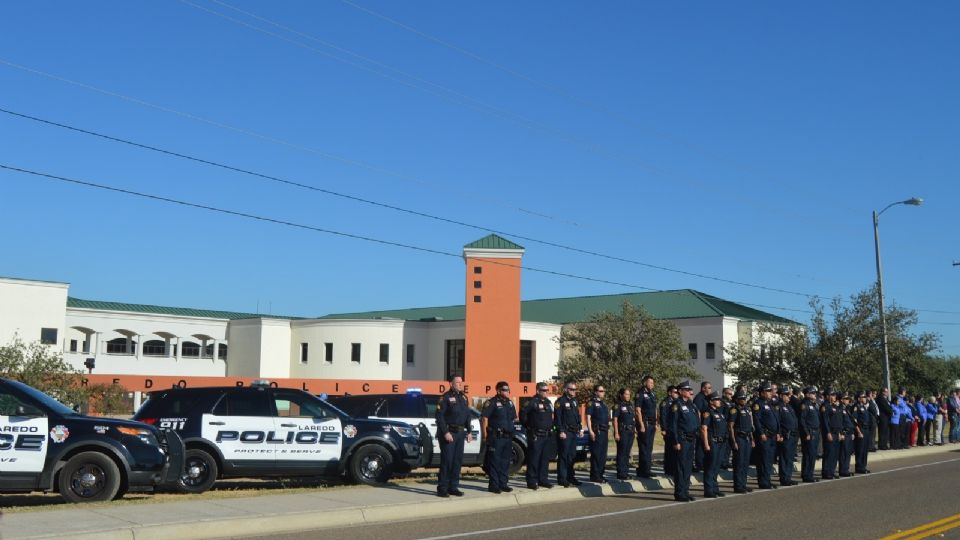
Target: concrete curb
301, 521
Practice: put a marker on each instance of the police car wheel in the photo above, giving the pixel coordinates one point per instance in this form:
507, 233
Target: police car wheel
89, 477
517, 457
371, 464
199, 471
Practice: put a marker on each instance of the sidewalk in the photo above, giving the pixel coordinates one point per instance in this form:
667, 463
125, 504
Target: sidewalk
265, 514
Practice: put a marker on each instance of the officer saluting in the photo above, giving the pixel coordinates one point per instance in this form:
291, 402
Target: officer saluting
498, 419
714, 437
682, 433
646, 414
453, 426
537, 418
598, 423
740, 423
767, 426
566, 419
810, 434
789, 430
624, 425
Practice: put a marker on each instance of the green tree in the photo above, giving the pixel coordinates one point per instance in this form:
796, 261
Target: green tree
43, 368
618, 349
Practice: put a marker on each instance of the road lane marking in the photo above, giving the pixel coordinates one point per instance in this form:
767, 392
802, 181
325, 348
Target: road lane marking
938, 530
953, 521
649, 508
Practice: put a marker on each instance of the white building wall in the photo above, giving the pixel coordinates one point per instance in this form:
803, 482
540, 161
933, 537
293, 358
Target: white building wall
342, 334
546, 348
28, 306
704, 331
259, 348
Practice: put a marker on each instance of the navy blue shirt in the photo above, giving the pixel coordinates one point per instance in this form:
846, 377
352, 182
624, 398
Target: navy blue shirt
599, 414
625, 415
765, 418
831, 418
684, 421
646, 401
453, 411
566, 415
862, 416
741, 419
500, 414
847, 418
716, 422
788, 418
537, 414
809, 417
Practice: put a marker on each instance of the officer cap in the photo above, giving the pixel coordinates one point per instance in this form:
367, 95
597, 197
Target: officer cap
740, 395
784, 390
685, 385
810, 390
846, 395
832, 392
714, 395
765, 387
861, 394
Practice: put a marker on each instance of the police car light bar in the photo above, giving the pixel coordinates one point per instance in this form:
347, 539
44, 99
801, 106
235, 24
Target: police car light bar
414, 391
260, 382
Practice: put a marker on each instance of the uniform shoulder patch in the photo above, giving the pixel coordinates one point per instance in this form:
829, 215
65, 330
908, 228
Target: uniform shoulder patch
557, 404
706, 414
676, 408
803, 407
756, 406
823, 408
733, 410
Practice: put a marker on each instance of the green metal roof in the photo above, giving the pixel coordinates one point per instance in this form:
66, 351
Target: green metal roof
166, 310
679, 304
492, 241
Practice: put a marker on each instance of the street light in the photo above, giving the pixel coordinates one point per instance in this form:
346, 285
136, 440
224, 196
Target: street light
914, 201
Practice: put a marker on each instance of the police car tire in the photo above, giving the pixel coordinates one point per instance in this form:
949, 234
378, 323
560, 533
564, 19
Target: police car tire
103, 472
517, 458
209, 470
360, 462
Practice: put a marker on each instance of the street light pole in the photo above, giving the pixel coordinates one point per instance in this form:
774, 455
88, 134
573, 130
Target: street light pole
915, 201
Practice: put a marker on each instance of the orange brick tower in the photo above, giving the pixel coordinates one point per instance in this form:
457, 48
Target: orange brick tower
493, 309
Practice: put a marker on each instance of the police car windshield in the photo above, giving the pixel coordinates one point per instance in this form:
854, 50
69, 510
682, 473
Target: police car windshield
45, 400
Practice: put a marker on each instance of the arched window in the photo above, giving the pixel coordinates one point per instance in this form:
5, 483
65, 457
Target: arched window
155, 347
119, 346
190, 349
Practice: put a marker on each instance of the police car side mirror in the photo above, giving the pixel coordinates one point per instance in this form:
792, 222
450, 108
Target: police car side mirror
76, 408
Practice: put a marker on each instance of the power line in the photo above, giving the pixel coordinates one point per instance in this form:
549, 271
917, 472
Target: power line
395, 208
352, 236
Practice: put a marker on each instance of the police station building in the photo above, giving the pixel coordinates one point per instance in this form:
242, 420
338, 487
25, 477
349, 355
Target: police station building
493, 335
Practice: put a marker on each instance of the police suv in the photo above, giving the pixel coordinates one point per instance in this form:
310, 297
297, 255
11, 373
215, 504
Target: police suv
416, 408
262, 430
46, 446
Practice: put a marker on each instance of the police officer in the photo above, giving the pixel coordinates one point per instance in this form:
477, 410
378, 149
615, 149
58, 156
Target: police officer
849, 427
713, 432
682, 431
789, 431
832, 428
702, 402
810, 434
566, 419
498, 419
767, 430
537, 418
624, 426
740, 424
598, 424
669, 456
453, 426
646, 414
726, 402
865, 421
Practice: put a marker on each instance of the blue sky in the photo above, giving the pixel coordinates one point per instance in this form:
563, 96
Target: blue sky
748, 141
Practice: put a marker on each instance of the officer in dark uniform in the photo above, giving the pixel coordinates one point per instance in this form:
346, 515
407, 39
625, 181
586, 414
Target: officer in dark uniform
865, 421
810, 434
646, 414
498, 418
454, 425
702, 402
767, 430
713, 432
849, 429
598, 424
682, 429
740, 424
832, 428
789, 431
726, 402
537, 418
566, 419
624, 427
669, 456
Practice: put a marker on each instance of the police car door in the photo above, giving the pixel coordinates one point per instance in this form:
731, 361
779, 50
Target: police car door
240, 425
23, 437
414, 409
310, 431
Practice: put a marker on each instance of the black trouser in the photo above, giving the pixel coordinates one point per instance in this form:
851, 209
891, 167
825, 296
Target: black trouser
862, 450
871, 436
725, 456
624, 445
499, 452
669, 457
711, 466
767, 449
537, 461
846, 450
905, 426
684, 466
922, 437
809, 464
884, 440
894, 436
831, 452
598, 455
566, 453
645, 449
451, 459
786, 452
741, 461
698, 456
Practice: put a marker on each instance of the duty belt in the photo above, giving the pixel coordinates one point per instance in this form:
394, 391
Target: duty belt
540, 432
789, 433
690, 436
454, 428
603, 428
573, 428
744, 434
627, 427
720, 439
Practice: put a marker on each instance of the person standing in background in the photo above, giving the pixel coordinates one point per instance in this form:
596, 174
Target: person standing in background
886, 415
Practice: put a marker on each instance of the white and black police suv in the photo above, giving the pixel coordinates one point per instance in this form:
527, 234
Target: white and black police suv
261, 430
47, 446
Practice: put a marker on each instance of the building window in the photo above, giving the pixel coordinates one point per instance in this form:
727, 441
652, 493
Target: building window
328, 352
527, 351
711, 351
410, 350
477, 270
477, 284
48, 336
476, 299
73, 345
355, 352
86, 346
222, 351
190, 349
304, 352
119, 346
384, 353
692, 347
454, 359
155, 347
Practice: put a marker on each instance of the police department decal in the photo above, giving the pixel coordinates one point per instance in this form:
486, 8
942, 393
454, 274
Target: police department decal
101, 429
349, 431
59, 433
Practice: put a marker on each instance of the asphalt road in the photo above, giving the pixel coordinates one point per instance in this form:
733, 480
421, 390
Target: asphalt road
899, 495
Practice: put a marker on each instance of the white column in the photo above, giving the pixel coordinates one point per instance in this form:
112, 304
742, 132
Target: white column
139, 347
137, 400
216, 349
179, 348
169, 348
